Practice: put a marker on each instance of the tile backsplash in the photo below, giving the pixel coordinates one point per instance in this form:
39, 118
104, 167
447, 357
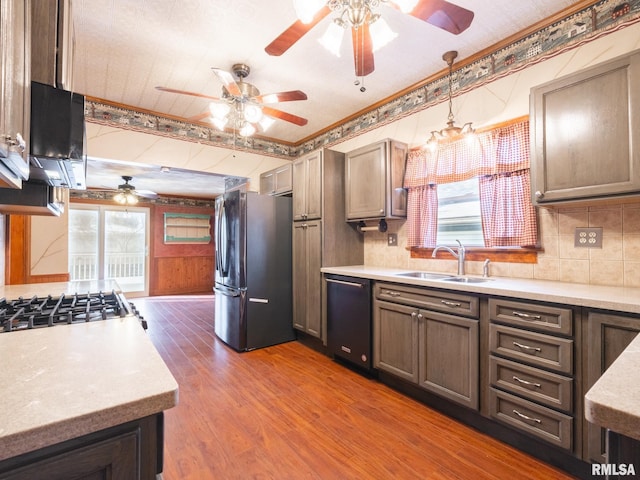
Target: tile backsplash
617, 263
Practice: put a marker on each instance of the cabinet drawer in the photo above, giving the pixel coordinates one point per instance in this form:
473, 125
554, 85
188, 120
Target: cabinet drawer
529, 315
544, 387
542, 422
535, 348
435, 300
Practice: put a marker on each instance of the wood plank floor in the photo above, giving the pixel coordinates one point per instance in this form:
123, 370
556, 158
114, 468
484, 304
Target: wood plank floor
288, 412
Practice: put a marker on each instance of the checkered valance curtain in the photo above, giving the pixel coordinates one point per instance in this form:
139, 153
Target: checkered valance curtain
499, 158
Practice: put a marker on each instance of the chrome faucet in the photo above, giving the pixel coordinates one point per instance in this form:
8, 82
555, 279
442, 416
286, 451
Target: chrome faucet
459, 255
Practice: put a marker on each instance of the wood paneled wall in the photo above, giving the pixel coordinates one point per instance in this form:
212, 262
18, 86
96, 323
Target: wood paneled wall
179, 268
181, 275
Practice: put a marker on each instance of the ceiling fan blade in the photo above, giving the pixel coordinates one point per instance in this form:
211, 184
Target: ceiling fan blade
362, 50
294, 33
445, 15
228, 81
183, 92
287, 117
281, 97
146, 193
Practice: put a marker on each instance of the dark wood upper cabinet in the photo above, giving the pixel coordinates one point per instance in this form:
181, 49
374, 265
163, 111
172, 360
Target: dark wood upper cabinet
585, 133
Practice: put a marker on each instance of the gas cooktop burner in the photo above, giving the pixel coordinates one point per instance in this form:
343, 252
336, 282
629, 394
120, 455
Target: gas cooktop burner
48, 311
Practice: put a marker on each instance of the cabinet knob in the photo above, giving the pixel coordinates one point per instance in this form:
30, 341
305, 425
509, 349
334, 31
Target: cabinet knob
539, 194
19, 142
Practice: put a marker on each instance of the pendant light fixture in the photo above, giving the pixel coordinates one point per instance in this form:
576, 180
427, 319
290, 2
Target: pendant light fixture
451, 130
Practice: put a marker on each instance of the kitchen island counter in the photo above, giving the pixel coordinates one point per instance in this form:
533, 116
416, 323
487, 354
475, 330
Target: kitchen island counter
66, 381
612, 402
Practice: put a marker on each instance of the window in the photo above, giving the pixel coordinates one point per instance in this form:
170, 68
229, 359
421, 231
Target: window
459, 213
110, 243
475, 191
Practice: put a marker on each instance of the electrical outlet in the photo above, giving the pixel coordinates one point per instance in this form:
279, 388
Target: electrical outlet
588, 237
392, 239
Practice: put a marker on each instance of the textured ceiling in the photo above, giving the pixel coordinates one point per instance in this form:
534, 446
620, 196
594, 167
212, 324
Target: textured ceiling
123, 49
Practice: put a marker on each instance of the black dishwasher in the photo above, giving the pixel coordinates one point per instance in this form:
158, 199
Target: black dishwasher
349, 319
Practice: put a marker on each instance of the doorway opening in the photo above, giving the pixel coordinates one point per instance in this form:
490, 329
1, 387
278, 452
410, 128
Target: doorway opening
110, 243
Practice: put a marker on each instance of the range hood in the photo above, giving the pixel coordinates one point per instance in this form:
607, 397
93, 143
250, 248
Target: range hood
57, 137
33, 199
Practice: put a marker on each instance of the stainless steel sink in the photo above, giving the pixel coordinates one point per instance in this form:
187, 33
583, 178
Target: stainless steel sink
425, 275
466, 279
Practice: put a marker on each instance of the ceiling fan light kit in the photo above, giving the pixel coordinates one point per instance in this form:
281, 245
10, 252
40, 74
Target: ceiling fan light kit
369, 31
125, 195
451, 130
241, 107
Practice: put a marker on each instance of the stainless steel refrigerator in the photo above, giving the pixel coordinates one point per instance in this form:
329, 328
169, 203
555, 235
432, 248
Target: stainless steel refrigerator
253, 303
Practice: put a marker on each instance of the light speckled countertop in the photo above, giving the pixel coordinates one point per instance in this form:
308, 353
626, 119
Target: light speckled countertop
613, 402
65, 381
620, 299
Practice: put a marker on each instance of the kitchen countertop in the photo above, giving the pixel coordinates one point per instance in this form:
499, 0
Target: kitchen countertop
622, 299
66, 381
612, 402
11, 292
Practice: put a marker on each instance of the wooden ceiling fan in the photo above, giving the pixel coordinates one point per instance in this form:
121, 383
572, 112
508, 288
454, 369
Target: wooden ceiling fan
360, 14
242, 103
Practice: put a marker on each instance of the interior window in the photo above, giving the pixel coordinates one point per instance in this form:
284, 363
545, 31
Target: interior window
459, 213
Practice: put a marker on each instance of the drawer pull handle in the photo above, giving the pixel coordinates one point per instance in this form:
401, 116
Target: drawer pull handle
526, 417
526, 316
525, 382
451, 304
393, 294
527, 347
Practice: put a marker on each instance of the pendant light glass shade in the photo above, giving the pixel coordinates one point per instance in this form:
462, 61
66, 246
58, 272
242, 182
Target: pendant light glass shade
381, 34
332, 38
125, 198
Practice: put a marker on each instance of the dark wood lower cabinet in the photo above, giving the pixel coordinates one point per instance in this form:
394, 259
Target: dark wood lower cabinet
131, 451
608, 335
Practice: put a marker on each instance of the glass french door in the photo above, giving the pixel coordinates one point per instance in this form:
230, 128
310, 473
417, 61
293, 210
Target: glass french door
110, 243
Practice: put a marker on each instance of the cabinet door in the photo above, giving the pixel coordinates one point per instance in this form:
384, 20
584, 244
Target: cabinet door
607, 336
398, 195
299, 276
14, 85
449, 357
365, 182
114, 458
282, 180
299, 179
307, 278
586, 132
314, 185
267, 183
314, 279
395, 339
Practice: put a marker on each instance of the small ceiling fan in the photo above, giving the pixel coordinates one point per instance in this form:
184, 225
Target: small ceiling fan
362, 17
128, 195
241, 106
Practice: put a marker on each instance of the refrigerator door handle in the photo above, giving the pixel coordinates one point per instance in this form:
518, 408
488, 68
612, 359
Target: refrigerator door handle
229, 292
221, 245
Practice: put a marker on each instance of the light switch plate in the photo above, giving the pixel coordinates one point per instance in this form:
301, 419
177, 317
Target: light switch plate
392, 239
588, 237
